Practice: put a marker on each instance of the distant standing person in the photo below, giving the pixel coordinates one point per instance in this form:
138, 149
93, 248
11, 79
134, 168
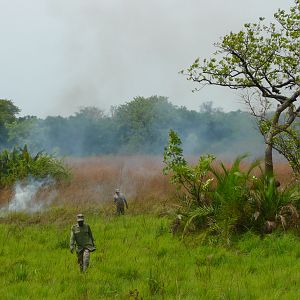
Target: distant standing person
120, 202
82, 238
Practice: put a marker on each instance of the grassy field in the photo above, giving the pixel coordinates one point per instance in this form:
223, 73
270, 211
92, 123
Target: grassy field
138, 258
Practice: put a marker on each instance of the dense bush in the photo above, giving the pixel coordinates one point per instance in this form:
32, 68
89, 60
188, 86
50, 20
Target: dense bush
19, 164
227, 200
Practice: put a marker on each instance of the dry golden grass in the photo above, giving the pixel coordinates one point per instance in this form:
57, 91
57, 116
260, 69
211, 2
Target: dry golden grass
283, 173
5, 195
139, 177
95, 179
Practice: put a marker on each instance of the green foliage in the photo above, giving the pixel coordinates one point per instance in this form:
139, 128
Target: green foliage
25, 130
286, 141
20, 164
260, 56
288, 144
236, 202
272, 204
198, 216
263, 60
8, 112
233, 211
268, 200
143, 122
138, 126
192, 178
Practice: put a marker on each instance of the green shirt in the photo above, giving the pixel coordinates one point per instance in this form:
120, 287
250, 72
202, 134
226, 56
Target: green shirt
82, 237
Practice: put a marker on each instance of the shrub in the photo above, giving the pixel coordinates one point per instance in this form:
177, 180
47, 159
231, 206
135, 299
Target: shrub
192, 182
272, 206
19, 164
235, 203
231, 195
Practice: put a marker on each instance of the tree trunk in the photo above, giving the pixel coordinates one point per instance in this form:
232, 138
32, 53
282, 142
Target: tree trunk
269, 160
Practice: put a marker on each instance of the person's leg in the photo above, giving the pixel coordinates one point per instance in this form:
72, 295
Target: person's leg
120, 209
80, 260
86, 259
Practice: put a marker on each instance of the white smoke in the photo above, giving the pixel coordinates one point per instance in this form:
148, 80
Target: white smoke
25, 196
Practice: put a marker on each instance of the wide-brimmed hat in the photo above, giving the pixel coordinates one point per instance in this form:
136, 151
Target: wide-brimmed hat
80, 217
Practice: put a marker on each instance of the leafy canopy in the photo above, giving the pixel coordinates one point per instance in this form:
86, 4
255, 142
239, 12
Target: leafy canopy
264, 60
261, 56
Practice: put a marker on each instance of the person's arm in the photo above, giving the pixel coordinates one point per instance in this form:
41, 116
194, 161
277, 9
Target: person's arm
72, 241
91, 235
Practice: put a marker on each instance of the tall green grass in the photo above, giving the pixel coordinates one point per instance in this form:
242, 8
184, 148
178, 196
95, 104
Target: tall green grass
138, 258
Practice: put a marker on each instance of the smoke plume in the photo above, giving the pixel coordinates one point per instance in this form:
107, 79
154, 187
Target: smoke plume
31, 196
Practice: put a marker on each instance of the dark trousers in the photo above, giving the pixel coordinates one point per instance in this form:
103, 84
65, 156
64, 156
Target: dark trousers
120, 209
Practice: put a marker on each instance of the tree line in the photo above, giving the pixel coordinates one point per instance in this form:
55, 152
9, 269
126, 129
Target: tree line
139, 126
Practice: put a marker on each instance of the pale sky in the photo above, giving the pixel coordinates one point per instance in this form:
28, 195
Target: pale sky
59, 55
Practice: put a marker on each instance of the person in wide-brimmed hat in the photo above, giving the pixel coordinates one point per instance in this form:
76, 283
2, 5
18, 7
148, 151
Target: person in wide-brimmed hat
82, 239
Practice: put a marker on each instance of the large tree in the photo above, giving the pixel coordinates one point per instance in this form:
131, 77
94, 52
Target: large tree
143, 123
264, 61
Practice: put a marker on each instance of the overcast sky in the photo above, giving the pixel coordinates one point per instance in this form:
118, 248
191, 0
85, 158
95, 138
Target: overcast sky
59, 55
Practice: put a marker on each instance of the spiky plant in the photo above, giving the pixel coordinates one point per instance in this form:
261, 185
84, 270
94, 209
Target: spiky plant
233, 209
274, 206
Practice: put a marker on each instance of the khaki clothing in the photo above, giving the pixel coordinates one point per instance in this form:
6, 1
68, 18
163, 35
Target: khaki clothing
83, 259
120, 202
82, 238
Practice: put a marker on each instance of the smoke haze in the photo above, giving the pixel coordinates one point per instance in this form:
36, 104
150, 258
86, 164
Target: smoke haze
140, 126
25, 196
61, 55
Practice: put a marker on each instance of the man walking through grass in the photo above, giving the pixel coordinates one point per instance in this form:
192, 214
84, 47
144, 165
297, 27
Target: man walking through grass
120, 202
82, 239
